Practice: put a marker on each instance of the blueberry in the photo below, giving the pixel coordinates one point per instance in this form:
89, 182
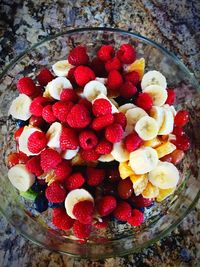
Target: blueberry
41, 203
37, 187
185, 254
141, 209
55, 205
21, 123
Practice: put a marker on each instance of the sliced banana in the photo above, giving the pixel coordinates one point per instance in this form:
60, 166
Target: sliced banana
55, 87
153, 77
23, 140
53, 135
151, 191
119, 152
20, 107
74, 197
69, 154
139, 183
155, 142
114, 108
125, 170
106, 158
146, 128
165, 149
158, 94
143, 160
164, 176
158, 114
20, 177
124, 108
93, 89
132, 116
101, 80
172, 108
114, 103
168, 123
164, 193
61, 68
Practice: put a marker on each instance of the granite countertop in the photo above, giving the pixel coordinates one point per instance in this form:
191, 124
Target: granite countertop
175, 25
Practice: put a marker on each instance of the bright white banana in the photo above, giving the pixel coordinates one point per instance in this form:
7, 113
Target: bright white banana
164, 176
106, 158
55, 87
143, 160
74, 197
114, 108
132, 116
158, 114
119, 152
53, 135
69, 154
61, 68
168, 123
20, 107
166, 106
20, 177
146, 128
158, 94
101, 80
93, 89
153, 77
124, 108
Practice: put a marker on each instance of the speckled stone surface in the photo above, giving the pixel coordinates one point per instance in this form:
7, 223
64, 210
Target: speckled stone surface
175, 25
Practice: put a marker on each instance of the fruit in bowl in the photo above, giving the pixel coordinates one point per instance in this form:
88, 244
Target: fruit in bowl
98, 138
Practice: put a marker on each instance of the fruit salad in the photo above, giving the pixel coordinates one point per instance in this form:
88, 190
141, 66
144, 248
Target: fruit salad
97, 138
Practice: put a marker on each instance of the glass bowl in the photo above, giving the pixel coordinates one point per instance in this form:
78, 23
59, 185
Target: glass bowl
118, 239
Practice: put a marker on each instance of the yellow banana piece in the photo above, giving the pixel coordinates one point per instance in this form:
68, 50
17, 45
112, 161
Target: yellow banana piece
125, 170
165, 149
150, 191
164, 193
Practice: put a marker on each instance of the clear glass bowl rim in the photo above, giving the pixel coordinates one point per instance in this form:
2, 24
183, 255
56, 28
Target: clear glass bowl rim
193, 81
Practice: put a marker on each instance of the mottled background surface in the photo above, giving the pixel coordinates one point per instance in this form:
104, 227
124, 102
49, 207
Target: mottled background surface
175, 25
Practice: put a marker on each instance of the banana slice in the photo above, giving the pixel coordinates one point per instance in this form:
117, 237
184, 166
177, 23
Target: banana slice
19, 108
153, 77
69, 154
125, 170
119, 152
164, 193
155, 142
53, 135
74, 197
158, 114
61, 68
55, 87
143, 160
114, 103
165, 149
164, 176
114, 108
168, 123
150, 191
106, 158
124, 108
172, 108
23, 140
139, 183
20, 177
101, 80
158, 94
93, 89
146, 128
133, 115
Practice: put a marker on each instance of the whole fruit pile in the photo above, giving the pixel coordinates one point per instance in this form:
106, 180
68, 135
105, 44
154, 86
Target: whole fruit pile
97, 138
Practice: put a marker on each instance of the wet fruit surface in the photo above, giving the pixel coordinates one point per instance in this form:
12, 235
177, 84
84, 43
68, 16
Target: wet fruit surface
125, 188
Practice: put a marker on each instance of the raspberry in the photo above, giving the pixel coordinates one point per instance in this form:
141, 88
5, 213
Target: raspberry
44, 77
68, 95
120, 118
82, 230
55, 193
141, 202
101, 225
78, 56
178, 131
74, 181
101, 107
12, 159
78, 117
33, 165
126, 54
70, 75
95, 176
89, 155
61, 220
133, 77
68, 139
62, 170
86, 103
83, 211
23, 158
38, 122
18, 133
98, 67
47, 114
105, 53
37, 141
37, 105
144, 101
133, 142
26, 86
87, 139
102, 121
123, 211
115, 80
137, 218
83, 75
114, 133
106, 205
38, 92
49, 159
182, 142
171, 96
128, 90
181, 118
104, 147
61, 109
113, 64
